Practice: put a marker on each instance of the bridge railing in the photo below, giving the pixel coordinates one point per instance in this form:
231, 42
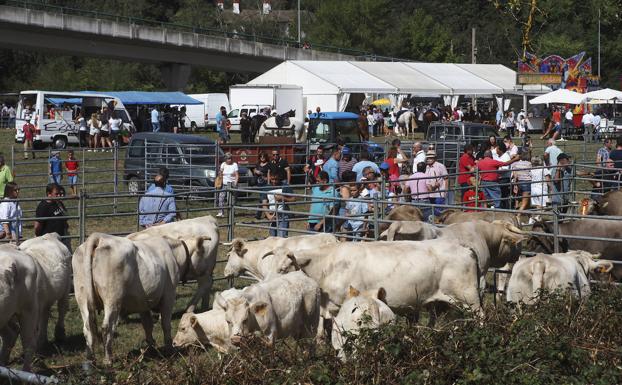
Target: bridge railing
281, 41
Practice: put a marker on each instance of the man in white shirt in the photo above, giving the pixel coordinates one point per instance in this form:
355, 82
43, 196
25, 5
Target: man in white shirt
418, 154
588, 126
568, 123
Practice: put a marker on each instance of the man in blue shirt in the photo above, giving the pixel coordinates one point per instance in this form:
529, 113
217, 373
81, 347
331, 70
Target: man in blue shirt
157, 207
362, 164
155, 119
332, 166
55, 168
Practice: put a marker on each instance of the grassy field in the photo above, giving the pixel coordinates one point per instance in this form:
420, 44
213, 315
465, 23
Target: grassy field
119, 216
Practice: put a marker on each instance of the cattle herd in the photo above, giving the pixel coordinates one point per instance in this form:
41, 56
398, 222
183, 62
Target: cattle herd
309, 286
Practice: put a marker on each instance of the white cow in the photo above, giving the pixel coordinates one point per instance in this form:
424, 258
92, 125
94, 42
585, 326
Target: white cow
284, 306
54, 260
245, 255
569, 270
33, 277
121, 275
410, 231
203, 262
360, 310
209, 327
413, 273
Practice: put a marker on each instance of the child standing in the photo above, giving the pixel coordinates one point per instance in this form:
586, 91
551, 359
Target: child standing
72, 167
55, 168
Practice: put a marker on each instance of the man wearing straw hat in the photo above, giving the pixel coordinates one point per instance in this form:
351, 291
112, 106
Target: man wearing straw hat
437, 184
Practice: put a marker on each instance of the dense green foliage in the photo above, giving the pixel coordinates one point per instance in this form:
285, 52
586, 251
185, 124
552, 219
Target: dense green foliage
557, 341
423, 30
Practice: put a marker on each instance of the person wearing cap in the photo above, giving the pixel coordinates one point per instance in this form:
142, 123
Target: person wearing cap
437, 184
347, 161
229, 173
332, 166
364, 163
489, 176
55, 168
562, 182
29, 134
157, 207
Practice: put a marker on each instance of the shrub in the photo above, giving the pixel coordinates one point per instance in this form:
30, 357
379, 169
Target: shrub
559, 340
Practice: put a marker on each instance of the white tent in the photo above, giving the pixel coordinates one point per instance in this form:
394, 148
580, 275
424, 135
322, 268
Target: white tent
329, 84
561, 96
604, 96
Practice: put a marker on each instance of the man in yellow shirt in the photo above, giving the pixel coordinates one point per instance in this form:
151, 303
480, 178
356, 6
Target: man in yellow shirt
6, 175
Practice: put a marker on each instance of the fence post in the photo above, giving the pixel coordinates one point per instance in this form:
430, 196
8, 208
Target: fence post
555, 230
230, 204
376, 224
83, 169
12, 160
115, 178
82, 216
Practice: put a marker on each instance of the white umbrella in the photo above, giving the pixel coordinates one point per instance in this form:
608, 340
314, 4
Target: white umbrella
603, 96
561, 96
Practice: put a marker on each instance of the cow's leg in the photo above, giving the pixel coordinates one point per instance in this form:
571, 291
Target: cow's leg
111, 318
147, 320
165, 321
28, 330
44, 316
203, 291
89, 329
9, 336
59, 329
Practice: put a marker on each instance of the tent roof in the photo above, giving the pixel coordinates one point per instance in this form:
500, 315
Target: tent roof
143, 97
421, 79
604, 95
404, 78
562, 96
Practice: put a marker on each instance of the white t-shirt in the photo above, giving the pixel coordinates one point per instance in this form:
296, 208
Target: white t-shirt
94, 127
82, 124
587, 118
539, 187
11, 214
114, 124
228, 172
569, 115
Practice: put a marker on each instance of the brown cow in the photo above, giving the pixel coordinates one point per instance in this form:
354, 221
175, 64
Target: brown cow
402, 213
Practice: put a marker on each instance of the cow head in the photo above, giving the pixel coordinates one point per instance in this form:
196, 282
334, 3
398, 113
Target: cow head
278, 261
510, 244
445, 215
588, 206
590, 264
189, 331
238, 316
235, 256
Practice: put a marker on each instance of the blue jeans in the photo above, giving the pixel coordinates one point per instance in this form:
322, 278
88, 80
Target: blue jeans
55, 179
155, 127
278, 228
437, 201
492, 192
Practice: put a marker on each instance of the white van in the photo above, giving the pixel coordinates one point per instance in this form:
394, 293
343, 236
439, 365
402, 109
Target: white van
204, 115
250, 109
54, 115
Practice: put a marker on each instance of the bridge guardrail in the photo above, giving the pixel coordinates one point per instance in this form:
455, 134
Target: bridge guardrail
188, 28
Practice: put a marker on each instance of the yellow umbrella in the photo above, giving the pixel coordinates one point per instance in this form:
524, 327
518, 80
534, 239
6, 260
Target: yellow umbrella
381, 102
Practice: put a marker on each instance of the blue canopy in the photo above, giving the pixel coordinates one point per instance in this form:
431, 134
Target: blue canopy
143, 97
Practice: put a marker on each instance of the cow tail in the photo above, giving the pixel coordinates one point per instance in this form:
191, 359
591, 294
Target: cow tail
537, 282
91, 244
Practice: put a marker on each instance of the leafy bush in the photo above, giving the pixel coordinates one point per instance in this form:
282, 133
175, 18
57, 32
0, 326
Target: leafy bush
559, 340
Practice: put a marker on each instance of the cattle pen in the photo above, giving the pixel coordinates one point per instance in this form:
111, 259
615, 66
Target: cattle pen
104, 204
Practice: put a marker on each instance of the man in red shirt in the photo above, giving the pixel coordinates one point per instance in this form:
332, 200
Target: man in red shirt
466, 166
489, 176
29, 134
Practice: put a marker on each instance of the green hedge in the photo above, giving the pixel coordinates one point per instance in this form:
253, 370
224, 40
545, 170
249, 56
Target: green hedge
560, 341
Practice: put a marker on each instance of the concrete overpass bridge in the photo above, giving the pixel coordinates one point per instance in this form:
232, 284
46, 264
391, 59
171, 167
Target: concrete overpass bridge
35, 26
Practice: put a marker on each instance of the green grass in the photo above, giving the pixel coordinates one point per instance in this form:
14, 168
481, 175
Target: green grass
64, 359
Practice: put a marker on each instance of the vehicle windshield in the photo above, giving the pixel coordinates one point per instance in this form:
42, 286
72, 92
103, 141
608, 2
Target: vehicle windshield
346, 129
201, 153
448, 133
480, 132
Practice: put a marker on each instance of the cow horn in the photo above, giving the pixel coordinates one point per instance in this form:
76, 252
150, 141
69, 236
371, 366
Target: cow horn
292, 257
266, 254
514, 229
227, 243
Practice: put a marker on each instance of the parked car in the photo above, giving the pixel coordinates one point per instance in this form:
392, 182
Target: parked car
192, 161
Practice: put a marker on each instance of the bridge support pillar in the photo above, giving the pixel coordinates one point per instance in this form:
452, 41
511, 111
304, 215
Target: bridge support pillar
175, 75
